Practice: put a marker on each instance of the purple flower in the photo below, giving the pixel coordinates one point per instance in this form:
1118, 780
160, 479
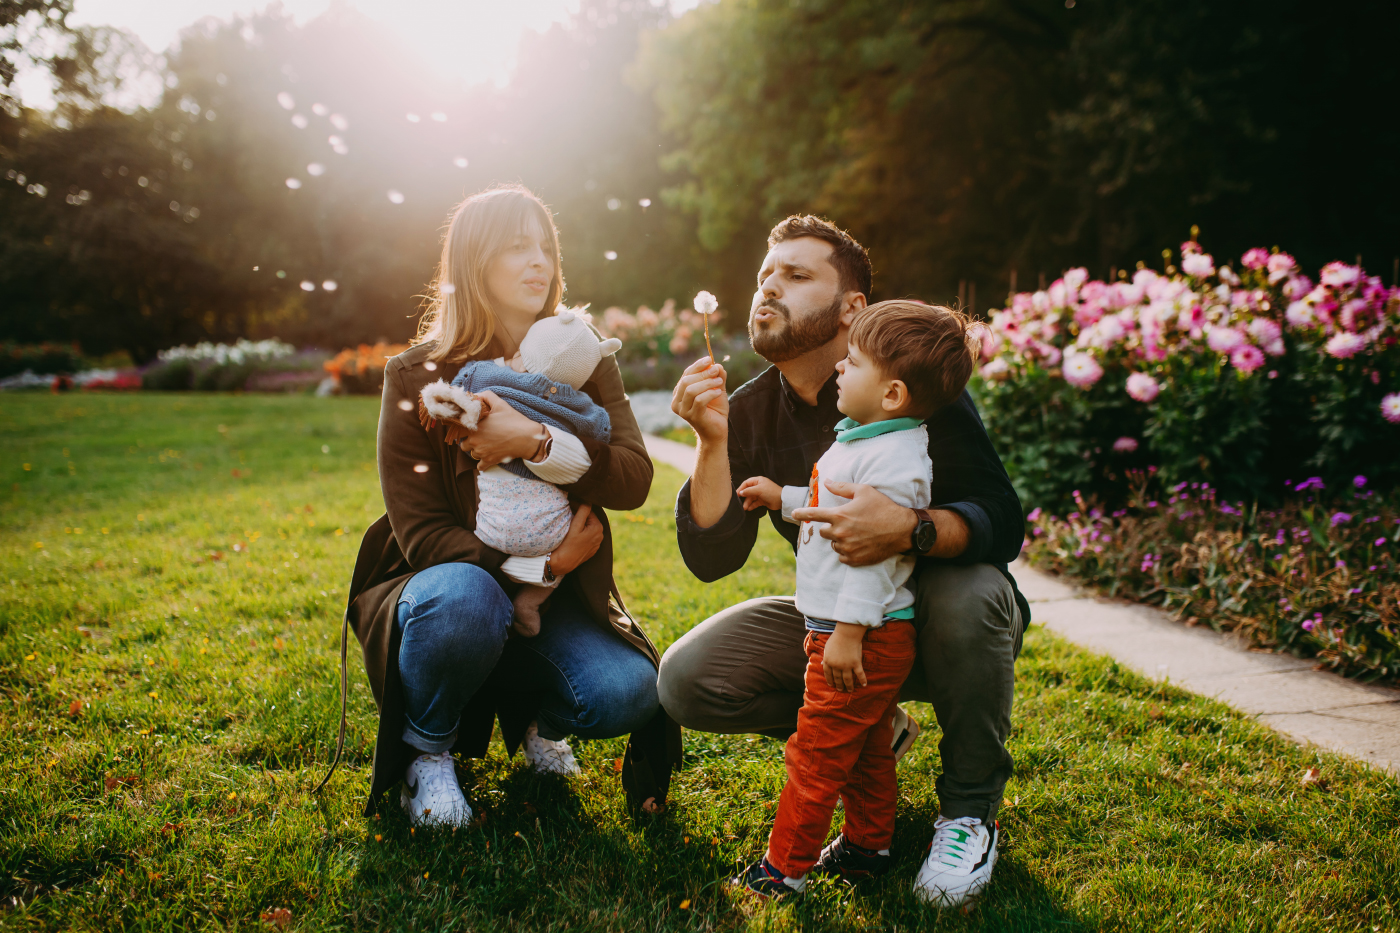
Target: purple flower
1034, 515
1152, 504
1340, 517
1379, 542
1125, 445
1359, 482
1309, 624
1312, 482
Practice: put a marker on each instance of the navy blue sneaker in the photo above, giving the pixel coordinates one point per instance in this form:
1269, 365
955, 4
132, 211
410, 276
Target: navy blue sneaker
851, 863
766, 881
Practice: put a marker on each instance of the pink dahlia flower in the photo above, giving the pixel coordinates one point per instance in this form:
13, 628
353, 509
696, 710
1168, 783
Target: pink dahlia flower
1082, 370
1340, 275
1125, 445
1198, 264
1264, 330
1280, 265
1390, 408
1247, 358
1143, 387
1224, 339
1255, 258
1345, 345
1299, 314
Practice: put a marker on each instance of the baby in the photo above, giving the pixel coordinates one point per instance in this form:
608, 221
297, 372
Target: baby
905, 361
518, 513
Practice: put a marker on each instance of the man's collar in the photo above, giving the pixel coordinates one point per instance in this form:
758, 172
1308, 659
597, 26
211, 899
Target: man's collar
827, 393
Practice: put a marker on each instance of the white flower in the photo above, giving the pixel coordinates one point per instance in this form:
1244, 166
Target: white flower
706, 303
1081, 370
1299, 314
1390, 408
1198, 264
1143, 387
1345, 345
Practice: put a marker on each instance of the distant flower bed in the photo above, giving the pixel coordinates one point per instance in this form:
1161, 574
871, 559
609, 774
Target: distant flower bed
1316, 577
253, 365
361, 371
40, 359
1242, 378
657, 345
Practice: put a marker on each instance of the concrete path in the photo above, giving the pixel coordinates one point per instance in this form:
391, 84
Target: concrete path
1308, 706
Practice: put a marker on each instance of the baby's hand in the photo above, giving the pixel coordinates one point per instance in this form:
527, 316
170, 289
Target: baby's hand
516, 362
760, 492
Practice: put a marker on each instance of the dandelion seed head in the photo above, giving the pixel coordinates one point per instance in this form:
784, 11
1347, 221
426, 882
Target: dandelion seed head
395, 197
460, 162
330, 285
286, 100
610, 255
308, 286
294, 183
299, 121
315, 168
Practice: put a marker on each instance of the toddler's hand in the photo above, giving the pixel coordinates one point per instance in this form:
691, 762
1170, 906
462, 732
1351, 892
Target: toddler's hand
760, 492
841, 660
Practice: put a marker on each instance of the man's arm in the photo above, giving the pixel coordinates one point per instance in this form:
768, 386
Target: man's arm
975, 508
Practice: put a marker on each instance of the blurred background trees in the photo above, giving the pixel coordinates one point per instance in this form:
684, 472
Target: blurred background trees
292, 181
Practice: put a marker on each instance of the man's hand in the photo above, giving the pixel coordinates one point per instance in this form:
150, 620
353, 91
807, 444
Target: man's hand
865, 531
841, 660
699, 398
760, 492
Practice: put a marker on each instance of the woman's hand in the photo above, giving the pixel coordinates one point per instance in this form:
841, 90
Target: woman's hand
582, 542
503, 434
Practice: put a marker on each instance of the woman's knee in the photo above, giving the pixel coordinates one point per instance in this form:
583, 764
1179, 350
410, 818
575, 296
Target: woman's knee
457, 607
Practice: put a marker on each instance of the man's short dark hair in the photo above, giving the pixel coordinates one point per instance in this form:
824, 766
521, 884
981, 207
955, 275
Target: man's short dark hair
928, 347
848, 257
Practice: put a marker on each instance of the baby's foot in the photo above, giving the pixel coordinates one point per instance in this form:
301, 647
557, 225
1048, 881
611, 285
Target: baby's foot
528, 603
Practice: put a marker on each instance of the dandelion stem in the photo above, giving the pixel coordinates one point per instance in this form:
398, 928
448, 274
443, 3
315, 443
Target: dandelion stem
708, 349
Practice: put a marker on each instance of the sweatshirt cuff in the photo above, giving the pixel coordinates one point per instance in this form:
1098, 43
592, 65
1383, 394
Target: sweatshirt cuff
979, 530
525, 569
568, 459
794, 497
730, 523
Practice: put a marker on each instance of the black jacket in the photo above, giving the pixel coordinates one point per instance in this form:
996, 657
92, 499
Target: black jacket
774, 433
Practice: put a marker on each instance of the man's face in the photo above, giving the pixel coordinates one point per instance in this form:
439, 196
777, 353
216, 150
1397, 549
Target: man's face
799, 301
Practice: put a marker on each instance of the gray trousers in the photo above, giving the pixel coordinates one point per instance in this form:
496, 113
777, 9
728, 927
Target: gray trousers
742, 671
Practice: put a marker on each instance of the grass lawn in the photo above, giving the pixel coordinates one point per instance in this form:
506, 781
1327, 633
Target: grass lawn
173, 570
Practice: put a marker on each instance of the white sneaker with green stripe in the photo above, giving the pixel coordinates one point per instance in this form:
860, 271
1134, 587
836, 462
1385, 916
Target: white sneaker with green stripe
959, 862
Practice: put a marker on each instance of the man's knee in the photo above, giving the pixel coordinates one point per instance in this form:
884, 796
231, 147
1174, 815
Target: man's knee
677, 680
966, 607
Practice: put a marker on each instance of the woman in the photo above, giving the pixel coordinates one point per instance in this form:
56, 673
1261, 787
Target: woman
429, 601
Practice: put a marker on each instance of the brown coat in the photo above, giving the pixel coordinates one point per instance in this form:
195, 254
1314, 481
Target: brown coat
430, 495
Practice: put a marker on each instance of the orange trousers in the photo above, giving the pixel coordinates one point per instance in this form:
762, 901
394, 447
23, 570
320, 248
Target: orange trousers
842, 747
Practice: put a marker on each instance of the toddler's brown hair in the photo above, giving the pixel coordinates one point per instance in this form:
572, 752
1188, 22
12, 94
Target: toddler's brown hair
927, 347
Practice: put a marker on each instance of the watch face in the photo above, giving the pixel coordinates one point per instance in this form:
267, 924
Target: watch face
926, 534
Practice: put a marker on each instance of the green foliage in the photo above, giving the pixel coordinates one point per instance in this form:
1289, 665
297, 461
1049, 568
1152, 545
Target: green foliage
966, 140
1317, 577
42, 359
163, 573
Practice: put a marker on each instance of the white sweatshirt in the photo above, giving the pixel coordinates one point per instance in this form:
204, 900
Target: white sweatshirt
893, 457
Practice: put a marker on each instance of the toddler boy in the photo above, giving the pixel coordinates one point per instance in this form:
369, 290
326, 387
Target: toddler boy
905, 360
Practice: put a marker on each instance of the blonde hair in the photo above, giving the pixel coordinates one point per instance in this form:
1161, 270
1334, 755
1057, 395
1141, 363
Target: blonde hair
459, 316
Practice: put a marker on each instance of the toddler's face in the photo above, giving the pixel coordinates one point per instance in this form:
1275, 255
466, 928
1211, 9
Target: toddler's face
860, 387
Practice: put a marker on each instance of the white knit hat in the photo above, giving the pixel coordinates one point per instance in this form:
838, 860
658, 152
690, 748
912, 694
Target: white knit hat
565, 349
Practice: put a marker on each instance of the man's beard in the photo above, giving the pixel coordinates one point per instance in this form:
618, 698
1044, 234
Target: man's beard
780, 344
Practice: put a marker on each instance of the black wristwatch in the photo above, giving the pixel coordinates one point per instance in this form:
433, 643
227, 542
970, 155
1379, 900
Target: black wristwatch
925, 534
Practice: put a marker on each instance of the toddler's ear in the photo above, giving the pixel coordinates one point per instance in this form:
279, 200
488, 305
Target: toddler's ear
565, 316
610, 346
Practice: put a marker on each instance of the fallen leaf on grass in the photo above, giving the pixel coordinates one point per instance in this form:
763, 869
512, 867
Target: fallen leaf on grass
168, 829
617, 762
153, 875
378, 837
280, 917
1312, 777
75, 707
685, 904
112, 783
1154, 712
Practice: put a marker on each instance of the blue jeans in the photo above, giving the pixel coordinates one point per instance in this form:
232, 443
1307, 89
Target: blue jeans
454, 620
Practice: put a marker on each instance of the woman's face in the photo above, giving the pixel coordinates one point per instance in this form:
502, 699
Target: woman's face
518, 277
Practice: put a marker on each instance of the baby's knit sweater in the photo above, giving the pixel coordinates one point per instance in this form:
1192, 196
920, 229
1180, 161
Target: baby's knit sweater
891, 456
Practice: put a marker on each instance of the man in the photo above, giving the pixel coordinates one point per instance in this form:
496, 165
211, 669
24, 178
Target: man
742, 670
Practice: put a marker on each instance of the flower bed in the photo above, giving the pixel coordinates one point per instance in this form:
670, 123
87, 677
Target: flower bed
658, 345
360, 371
1241, 379
1315, 577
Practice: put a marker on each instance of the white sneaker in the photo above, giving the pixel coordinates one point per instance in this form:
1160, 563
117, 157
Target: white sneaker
547, 755
431, 795
906, 730
959, 862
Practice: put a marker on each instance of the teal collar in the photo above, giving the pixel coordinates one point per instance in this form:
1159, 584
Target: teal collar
849, 430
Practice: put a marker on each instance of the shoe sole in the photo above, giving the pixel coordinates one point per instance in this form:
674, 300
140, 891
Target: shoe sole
906, 741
